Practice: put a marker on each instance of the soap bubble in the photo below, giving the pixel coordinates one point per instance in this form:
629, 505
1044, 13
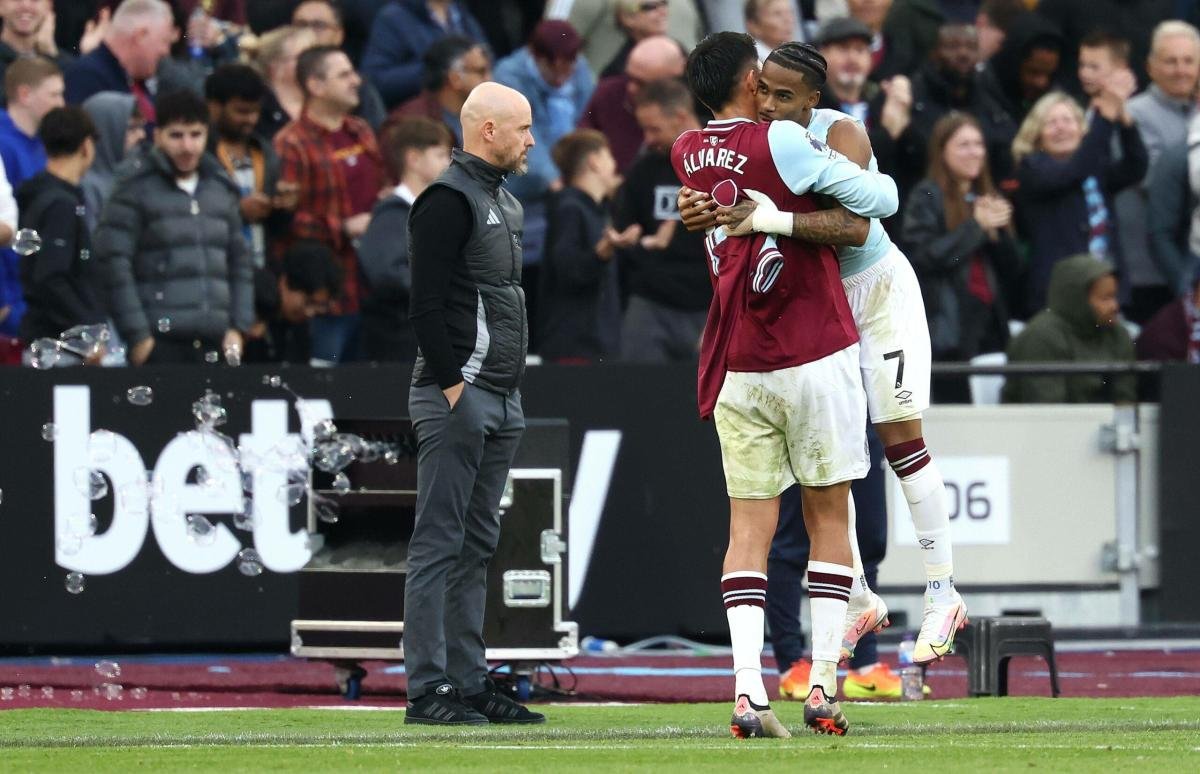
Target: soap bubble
24, 691
341, 483
200, 530
275, 381
324, 430
209, 412
74, 582
249, 562
27, 242
140, 396
233, 354
69, 545
44, 353
76, 695
112, 691
333, 456
107, 669
6, 694
85, 340
91, 483
292, 493
164, 325
211, 356
326, 509
391, 457
82, 524
49, 431
245, 519
138, 693
47, 692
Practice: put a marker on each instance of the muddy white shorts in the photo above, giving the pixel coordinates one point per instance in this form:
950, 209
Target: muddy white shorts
894, 338
805, 424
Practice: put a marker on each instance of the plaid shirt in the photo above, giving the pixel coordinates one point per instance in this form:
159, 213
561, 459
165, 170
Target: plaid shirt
306, 159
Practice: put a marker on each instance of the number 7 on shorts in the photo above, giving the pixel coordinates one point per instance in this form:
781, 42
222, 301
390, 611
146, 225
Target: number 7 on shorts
899, 356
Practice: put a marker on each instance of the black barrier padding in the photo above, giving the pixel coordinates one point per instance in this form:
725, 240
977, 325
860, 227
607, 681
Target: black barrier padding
656, 561
1179, 432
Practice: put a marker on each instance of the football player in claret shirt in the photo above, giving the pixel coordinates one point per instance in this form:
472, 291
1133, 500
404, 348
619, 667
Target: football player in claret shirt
779, 366
889, 313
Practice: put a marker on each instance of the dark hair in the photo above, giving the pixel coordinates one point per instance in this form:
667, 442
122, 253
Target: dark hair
716, 64
180, 107
442, 57
803, 58
1118, 47
753, 8
670, 94
311, 64
573, 149
234, 81
334, 6
1002, 13
310, 266
411, 133
63, 131
28, 71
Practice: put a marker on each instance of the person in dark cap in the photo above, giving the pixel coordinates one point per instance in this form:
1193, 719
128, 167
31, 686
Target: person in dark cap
885, 109
556, 80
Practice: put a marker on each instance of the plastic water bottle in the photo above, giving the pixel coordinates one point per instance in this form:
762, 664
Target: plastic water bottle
195, 48
597, 646
912, 677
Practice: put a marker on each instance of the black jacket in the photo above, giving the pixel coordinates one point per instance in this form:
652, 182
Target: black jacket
934, 96
467, 305
61, 289
580, 315
1052, 212
168, 256
671, 277
383, 258
960, 325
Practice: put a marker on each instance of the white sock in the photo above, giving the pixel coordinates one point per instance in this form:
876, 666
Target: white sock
925, 492
828, 594
745, 595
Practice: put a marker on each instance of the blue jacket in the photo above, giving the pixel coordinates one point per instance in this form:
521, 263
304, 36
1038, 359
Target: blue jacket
93, 73
1052, 214
519, 71
23, 155
400, 36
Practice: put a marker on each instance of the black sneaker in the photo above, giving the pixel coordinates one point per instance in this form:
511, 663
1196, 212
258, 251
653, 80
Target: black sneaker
443, 706
499, 708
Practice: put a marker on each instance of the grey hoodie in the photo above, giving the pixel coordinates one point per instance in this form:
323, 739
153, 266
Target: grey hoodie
110, 112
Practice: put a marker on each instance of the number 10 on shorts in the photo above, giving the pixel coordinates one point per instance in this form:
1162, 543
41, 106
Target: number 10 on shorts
977, 497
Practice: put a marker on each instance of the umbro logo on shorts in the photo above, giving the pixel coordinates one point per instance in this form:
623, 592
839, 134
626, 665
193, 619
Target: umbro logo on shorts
493, 219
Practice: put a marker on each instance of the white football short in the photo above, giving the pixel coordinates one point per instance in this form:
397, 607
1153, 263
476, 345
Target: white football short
805, 424
894, 338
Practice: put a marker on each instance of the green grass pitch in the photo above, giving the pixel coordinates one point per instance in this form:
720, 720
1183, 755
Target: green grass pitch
975, 736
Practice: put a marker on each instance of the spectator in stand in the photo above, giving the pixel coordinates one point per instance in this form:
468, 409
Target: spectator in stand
1133, 20
34, 87
669, 290
327, 21
637, 20
120, 130
771, 23
275, 59
234, 93
137, 40
285, 303
180, 284
580, 319
27, 32
265, 15
453, 67
418, 149
12, 301
404, 30
958, 233
1162, 113
948, 82
596, 22
1174, 333
993, 21
557, 83
1067, 178
59, 284
80, 25
1100, 55
506, 24
200, 43
885, 110
610, 109
886, 58
333, 157
1020, 73
1170, 214
1081, 324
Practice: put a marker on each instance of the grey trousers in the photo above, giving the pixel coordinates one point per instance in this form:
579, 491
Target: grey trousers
463, 458
655, 333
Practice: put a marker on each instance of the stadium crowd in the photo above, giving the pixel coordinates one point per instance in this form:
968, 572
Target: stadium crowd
231, 179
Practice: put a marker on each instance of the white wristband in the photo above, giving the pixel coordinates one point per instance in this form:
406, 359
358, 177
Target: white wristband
769, 221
